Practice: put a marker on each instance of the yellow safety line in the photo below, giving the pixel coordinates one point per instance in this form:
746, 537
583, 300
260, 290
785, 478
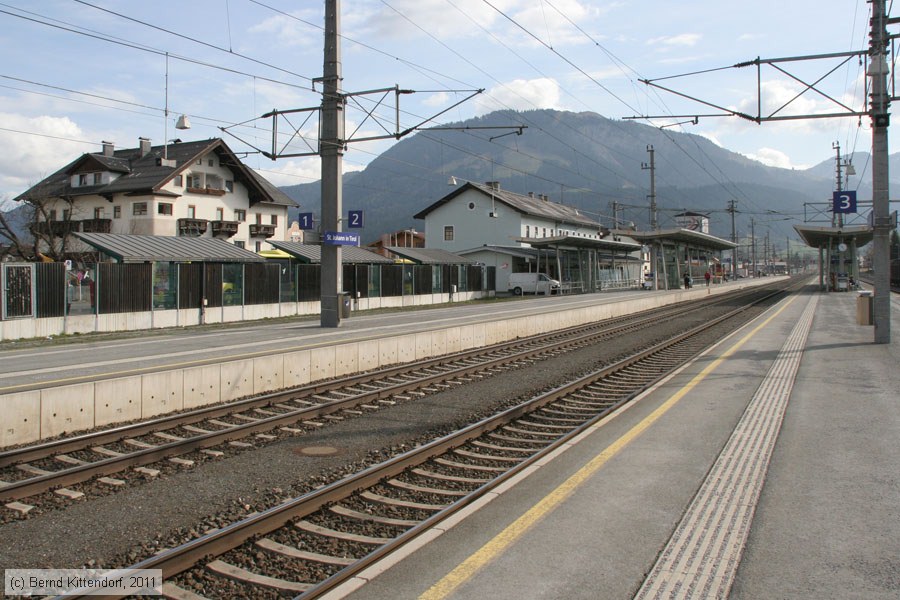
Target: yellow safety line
520, 526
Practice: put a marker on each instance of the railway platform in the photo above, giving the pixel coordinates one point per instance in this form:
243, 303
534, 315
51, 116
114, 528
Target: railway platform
766, 468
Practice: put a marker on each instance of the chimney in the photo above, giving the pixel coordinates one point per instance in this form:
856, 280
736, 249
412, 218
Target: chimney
108, 148
531, 194
494, 185
545, 197
145, 146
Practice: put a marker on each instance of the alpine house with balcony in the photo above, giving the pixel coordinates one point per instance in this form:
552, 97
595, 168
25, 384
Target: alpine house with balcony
198, 189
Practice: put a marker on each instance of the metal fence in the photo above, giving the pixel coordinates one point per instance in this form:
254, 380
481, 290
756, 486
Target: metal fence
32, 290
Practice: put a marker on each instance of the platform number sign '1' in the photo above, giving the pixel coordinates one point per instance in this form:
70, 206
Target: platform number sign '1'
354, 219
844, 202
306, 221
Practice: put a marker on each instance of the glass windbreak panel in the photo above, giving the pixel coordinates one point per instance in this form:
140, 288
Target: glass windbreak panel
232, 284
408, 280
437, 279
165, 286
463, 285
288, 288
375, 281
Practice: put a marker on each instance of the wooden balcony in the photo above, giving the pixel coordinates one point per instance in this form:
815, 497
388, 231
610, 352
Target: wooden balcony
96, 225
224, 228
207, 191
192, 227
54, 228
260, 230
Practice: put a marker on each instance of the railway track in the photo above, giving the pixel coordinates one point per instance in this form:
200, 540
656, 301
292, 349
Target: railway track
40, 468
309, 545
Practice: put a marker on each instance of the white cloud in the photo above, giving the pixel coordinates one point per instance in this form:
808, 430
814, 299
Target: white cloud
773, 158
520, 94
293, 171
285, 31
34, 155
438, 17
684, 39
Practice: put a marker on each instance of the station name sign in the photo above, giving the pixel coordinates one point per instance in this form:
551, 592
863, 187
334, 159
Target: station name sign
340, 238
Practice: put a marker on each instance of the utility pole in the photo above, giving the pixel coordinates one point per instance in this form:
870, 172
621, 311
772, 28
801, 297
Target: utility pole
653, 223
652, 196
332, 154
837, 219
732, 208
880, 101
753, 245
787, 258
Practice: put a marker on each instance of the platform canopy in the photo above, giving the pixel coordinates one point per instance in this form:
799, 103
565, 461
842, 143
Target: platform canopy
312, 253
685, 236
430, 256
572, 241
128, 248
819, 237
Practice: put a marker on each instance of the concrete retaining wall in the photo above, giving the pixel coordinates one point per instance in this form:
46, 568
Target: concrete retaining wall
35, 415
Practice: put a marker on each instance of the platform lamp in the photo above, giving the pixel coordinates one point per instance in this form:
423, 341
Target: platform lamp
181, 123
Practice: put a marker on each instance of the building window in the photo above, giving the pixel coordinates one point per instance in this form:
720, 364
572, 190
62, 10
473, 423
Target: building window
164, 208
258, 246
65, 214
211, 162
240, 215
528, 231
239, 243
545, 232
471, 206
258, 219
51, 216
98, 212
200, 161
229, 185
139, 208
98, 178
117, 212
220, 214
214, 182
178, 181
82, 179
192, 212
448, 233
195, 180
274, 219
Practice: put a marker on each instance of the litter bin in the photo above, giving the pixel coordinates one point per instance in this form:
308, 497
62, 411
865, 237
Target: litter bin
864, 308
344, 301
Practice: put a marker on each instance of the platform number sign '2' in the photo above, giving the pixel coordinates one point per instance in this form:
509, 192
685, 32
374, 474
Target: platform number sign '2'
354, 219
844, 202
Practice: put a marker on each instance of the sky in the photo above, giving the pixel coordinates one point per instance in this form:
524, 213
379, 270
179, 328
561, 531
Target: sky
76, 73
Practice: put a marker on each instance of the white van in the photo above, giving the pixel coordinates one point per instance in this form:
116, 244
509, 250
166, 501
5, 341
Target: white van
532, 283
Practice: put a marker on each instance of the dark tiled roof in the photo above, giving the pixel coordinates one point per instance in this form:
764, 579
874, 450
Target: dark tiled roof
528, 205
146, 174
155, 248
430, 256
312, 253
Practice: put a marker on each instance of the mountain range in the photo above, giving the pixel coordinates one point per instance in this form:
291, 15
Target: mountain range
587, 161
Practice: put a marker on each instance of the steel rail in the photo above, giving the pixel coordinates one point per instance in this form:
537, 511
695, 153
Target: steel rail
186, 556
34, 485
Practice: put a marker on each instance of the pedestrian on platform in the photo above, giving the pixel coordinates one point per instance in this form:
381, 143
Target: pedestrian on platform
687, 281
707, 276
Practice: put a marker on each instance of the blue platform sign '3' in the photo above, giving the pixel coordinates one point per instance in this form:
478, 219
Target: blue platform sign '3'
844, 202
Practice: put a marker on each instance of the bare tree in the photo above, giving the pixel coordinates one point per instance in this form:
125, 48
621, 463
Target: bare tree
39, 228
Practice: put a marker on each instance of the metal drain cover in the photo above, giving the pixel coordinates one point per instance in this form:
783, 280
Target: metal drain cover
317, 451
